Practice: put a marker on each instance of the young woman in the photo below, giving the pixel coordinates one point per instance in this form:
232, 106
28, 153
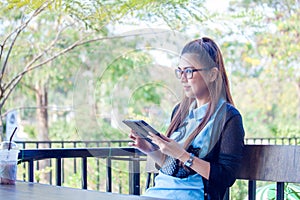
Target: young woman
201, 152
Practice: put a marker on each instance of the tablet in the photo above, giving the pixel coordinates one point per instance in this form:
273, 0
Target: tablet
142, 128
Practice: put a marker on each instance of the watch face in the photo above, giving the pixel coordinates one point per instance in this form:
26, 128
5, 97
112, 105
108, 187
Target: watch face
189, 162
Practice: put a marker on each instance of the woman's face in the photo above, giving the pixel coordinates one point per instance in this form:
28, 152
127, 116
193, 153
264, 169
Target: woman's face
196, 87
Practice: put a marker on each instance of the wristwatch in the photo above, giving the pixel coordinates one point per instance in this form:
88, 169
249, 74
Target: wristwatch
189, 162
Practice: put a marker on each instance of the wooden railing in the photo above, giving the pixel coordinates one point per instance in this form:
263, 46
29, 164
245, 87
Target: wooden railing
131, 155
276, 163
112, 143
72, 144
271, 163
124, 143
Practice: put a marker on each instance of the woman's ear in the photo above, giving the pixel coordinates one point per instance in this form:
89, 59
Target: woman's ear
214, 72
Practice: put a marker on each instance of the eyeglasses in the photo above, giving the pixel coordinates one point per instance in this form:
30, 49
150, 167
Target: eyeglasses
188, 72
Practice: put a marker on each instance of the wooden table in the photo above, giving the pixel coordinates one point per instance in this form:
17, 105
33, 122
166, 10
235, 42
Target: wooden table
36, 191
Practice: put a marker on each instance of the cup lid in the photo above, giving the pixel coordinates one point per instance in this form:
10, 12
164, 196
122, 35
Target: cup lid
5, 145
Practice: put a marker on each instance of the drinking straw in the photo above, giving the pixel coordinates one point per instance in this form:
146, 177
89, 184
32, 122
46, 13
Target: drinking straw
10, 139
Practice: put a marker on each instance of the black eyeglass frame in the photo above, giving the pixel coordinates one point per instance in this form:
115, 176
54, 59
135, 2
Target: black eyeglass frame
179, 72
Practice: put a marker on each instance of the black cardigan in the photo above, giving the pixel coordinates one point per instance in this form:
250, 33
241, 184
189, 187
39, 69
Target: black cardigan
225, 157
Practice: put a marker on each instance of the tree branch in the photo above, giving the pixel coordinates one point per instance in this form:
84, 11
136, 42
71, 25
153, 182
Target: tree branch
30, 88
13, 83
1, 50
34, 60
78, 43
18, 31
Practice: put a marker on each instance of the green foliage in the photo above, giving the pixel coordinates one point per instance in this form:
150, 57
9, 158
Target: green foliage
239, 190
62, 130
31, 131
147, 93
259, 40
39, 173
291, 192
268, 110
96, 14
107, 132
73, 180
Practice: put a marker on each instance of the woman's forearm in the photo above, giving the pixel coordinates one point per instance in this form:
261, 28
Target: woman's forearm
200, 166
157, 156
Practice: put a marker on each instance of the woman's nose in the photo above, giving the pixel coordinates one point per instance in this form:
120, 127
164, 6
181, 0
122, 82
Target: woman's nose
183, 78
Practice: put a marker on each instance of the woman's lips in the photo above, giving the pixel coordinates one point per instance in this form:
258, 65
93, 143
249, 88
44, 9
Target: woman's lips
186, 87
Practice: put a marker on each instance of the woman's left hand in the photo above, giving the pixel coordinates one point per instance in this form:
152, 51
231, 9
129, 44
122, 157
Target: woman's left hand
168, 146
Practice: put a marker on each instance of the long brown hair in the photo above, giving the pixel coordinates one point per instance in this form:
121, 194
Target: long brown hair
209, 55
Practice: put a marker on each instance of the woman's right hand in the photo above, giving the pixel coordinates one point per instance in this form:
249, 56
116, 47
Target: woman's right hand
140, 143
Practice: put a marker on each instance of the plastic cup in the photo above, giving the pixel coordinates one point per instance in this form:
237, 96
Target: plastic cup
8, 162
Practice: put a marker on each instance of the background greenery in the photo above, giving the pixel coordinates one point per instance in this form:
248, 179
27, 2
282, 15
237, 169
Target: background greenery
82, 56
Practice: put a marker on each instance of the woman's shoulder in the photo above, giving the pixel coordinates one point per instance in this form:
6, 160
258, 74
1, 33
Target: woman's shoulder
231, 110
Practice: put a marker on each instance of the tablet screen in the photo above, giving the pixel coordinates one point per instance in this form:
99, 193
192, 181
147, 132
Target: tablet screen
142, 128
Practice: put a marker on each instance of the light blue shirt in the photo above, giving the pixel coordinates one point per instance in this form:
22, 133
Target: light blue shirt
192, 187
